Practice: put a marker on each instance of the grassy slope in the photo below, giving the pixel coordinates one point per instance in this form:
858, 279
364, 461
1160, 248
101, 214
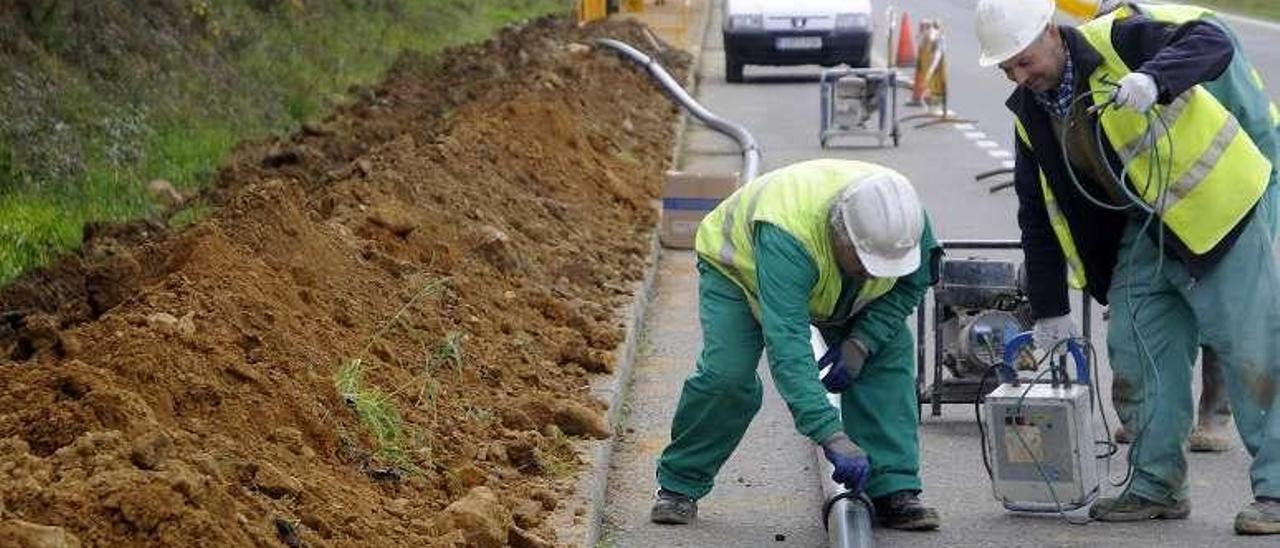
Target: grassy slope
99, 100
1268, 9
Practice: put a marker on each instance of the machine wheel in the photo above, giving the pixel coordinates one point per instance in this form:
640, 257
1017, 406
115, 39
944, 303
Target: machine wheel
732, 68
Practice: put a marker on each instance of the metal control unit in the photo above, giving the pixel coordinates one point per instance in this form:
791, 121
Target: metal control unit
1039, 437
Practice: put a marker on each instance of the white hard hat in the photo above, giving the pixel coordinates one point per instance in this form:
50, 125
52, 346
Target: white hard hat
1006, 27
883, 218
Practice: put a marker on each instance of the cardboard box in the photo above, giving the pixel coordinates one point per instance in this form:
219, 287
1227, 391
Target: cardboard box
686, 199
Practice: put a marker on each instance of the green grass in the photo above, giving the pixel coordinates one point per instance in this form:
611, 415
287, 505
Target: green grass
32, 230
1269, 9
85, 151
449, 350
559, 463
189, 215
376, 412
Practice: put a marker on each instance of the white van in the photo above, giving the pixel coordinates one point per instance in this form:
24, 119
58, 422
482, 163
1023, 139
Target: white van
795, 32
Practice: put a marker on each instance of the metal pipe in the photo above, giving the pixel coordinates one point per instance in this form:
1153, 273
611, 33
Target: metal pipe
847, 519
750, 149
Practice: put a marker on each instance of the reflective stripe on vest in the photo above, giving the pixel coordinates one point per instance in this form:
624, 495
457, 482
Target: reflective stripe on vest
796, 199
1178, 14
1198, 169
1061, 230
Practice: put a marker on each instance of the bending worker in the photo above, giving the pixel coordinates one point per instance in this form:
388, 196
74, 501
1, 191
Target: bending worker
839, 244
1144, 163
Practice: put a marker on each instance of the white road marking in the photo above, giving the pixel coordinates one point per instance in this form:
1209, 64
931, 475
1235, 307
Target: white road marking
987, 144
997, 153
1007, 164
975, 135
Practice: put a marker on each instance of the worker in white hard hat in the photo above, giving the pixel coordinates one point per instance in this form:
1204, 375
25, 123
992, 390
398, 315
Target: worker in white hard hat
839, 244
1145, 176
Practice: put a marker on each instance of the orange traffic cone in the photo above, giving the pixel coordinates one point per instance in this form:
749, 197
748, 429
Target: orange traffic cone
906, 45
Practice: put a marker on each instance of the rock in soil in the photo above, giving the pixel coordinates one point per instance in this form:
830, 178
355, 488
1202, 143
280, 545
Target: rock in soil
483, 521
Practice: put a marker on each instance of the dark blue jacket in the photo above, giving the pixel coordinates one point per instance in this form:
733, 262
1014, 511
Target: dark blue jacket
1177, 57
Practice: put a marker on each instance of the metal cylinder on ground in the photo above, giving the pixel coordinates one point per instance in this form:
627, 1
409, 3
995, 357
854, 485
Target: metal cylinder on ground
847, 518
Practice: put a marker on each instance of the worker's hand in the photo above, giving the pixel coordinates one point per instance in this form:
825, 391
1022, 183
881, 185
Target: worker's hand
846, 361
850, 462
1049, 331
1136, 91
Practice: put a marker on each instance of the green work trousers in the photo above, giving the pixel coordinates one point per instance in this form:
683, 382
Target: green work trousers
724, 393
1159, 314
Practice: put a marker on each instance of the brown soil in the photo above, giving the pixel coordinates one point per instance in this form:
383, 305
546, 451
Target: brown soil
180, 388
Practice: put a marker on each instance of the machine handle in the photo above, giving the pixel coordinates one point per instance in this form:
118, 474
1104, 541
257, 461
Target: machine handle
1024, 339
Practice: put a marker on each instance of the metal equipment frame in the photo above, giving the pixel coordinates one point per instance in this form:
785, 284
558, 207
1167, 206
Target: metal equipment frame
946, 391
887, 124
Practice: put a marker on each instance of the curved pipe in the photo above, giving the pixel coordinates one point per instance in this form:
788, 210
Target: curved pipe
750, 150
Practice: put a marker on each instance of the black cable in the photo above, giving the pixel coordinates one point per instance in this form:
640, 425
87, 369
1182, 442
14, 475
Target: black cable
977, 417
1153, 213
1066, 156
843, 495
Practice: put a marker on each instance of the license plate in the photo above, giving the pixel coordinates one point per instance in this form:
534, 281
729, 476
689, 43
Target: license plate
799, 42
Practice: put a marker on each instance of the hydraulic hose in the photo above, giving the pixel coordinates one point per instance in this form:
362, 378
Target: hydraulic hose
750, 149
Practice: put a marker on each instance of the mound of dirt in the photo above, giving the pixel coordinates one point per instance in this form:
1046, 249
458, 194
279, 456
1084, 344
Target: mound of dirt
456, 244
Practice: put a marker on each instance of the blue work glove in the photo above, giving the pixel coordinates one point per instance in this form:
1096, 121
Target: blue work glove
851, 464
846, 361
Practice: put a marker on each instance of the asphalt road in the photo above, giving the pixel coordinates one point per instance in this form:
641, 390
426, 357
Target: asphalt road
767, 494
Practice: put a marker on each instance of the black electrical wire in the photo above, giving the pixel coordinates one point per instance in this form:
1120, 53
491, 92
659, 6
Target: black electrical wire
977, 418
831, 503
1153, 213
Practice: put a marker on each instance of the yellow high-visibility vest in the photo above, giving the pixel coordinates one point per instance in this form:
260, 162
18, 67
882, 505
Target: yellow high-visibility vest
798, 200
1182, 13
1217, 173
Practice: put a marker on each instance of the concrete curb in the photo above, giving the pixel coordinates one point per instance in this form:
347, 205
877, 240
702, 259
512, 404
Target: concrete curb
614, 390
588, 502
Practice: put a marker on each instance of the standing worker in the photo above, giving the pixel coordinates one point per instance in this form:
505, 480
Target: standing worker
836, 243
1214, 415
1168, 213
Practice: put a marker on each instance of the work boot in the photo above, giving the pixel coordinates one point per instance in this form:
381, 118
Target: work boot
1131, 507
1211, 434
1122, 435
903, 510
1261, 517
673, 508
1208, 437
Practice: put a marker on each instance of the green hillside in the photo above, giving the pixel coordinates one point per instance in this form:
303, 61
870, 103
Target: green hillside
98, 98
